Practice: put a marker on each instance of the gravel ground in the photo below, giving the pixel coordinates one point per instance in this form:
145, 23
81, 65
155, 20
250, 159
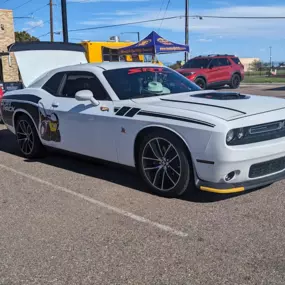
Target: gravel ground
68, 221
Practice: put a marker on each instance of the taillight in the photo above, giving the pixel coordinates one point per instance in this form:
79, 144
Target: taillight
1, 93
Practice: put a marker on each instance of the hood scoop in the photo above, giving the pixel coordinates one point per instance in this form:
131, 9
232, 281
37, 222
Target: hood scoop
221, 96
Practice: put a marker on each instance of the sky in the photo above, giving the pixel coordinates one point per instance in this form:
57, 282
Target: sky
244, 38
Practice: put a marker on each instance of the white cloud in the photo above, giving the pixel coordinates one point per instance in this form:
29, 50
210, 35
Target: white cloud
93, 23
227, 28
204, 40
117, 13
34, 24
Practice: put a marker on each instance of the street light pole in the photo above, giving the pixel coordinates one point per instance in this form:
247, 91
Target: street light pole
270, 48
64, 21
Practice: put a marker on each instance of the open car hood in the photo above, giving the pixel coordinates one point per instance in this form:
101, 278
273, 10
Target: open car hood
37, 58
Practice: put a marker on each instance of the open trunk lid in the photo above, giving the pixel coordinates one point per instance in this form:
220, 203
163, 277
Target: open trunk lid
36, 58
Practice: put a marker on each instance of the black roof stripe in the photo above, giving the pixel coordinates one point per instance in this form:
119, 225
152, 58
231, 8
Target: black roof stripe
203, 104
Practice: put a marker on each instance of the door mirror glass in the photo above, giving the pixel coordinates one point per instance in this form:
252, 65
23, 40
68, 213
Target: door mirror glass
86, 95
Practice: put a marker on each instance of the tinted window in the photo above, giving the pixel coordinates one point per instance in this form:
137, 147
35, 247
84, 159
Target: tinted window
215, 62
138, 82
224, 61
197, 63
53, 83
77, 81
236, 60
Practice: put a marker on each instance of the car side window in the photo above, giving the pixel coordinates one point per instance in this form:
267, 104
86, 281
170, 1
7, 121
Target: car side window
53, 84
77, 81
224, 62
215, 63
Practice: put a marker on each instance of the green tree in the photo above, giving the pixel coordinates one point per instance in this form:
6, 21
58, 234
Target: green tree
25, 37
255, 65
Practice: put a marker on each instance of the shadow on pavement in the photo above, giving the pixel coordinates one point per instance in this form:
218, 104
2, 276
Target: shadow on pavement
111, 172
280, 88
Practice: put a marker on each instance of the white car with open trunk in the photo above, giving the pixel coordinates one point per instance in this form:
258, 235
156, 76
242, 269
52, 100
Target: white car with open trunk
150, 117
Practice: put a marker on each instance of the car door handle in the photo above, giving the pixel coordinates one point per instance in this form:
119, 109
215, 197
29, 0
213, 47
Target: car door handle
55, 104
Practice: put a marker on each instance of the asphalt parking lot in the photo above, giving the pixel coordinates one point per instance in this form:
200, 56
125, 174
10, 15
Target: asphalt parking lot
69, 221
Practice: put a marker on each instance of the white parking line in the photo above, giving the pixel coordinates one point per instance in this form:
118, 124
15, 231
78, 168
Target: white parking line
98, 203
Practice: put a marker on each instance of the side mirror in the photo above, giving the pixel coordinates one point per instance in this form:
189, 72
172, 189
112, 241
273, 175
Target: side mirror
211, 66
86, 95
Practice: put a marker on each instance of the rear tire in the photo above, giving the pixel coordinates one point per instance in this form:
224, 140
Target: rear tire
164, 165
201, 83
28, 139
235, 81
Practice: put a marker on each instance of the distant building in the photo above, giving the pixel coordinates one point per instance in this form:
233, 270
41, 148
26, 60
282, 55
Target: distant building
8, 70
247, 61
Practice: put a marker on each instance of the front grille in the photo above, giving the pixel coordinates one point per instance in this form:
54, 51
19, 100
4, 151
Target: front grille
267, 167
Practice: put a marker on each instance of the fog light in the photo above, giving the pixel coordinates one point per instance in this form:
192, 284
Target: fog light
230, 176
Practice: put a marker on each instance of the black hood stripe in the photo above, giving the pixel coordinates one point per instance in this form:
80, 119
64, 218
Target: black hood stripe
177, 118
23, 97
204, 104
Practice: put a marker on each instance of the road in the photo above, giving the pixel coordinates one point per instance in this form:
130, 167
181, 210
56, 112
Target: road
275, 90
69, 221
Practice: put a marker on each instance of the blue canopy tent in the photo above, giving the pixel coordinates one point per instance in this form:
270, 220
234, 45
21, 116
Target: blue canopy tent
153, 44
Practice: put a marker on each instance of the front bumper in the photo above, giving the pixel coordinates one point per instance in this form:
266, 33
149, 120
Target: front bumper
228, 188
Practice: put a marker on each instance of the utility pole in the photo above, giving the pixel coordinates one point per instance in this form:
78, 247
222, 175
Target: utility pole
51, 19
270, 48
186, 27
64, 21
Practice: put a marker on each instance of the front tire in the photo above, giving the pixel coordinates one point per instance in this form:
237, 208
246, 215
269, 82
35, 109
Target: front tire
28, 139
235, 81
163, 163
201, 83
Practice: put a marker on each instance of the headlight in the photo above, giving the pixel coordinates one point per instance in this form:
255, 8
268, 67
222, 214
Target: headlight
230, 136
256, 133
188, 73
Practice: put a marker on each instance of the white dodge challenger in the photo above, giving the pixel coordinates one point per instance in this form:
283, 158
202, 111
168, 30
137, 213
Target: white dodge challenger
150, 117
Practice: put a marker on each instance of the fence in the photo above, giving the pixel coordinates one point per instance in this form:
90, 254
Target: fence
260, 69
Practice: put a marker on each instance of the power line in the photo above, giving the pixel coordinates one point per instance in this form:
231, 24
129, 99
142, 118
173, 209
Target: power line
237, 17
40, 8
164, 14
22, 5
162, 2
167, 18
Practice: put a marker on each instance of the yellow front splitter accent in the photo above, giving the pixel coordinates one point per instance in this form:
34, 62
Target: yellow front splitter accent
222, 191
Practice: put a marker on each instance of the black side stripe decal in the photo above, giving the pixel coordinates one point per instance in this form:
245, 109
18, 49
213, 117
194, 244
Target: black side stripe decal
177, 118
132, 112
123, 111
126, 111
23, 97
203, 104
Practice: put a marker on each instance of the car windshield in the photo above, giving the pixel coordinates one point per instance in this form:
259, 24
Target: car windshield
197, 63
139, 82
